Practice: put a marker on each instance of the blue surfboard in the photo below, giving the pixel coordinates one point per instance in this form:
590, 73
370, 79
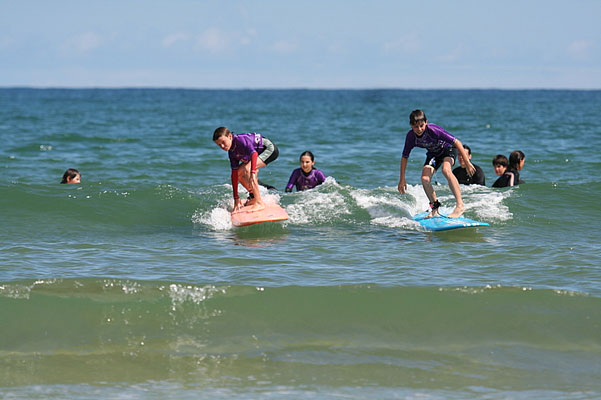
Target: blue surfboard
443, 223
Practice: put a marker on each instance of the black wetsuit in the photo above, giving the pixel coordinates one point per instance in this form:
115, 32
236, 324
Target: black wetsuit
505, 179
463, 178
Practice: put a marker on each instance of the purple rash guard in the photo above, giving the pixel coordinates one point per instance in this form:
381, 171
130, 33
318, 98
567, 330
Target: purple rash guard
243, 146
434, 140
304, 182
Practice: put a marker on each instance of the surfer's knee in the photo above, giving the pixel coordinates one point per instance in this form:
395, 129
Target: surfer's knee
447, 169
244, 175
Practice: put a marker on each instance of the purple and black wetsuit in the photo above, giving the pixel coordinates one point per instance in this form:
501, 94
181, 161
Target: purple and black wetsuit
243, 146
305, 181
248, 147
437, 142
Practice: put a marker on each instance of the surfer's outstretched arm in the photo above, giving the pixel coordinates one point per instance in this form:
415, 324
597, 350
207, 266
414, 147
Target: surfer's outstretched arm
402, 186
234, 177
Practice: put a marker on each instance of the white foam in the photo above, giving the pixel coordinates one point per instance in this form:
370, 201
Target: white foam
486, 203
396, 222
219, 219
483, 201
388, 208
183, 293
378, 204
314, 206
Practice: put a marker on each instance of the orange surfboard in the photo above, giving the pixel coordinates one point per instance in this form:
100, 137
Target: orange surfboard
271, 212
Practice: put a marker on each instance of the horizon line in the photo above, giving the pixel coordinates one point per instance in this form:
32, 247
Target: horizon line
135, 87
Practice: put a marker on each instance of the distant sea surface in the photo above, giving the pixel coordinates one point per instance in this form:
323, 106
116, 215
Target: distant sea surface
134, 284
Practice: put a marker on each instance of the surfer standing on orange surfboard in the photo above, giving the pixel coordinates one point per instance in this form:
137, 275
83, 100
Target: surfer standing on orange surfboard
247, 152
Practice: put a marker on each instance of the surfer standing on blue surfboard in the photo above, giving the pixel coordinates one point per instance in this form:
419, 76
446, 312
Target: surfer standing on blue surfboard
247, 152
442, 148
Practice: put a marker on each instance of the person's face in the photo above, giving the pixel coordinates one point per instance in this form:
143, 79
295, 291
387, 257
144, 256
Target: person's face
75, 179
306, 164
521, 164
462, 161
499, 169
419, 127
225, 142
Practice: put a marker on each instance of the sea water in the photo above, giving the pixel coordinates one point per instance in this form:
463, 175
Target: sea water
134, 284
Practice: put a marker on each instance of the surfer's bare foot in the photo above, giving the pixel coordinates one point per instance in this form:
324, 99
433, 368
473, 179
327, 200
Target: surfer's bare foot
457, 212
435, 205
254, 206
433, 213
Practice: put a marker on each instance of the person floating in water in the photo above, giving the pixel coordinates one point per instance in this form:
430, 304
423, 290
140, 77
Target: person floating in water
71, 176
508, 171
500, 164
516, 163
442, 148
247, 153
461, 173
305, 177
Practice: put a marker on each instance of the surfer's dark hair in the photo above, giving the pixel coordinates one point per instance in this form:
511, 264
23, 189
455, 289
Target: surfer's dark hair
417, 116
469, 151
69, 174
307, 153
221, 131
500, 159
515, 157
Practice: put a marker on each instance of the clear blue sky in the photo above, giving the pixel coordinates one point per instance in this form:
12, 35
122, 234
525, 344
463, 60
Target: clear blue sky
301, 44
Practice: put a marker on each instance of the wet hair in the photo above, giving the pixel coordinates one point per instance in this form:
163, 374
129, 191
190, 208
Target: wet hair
307, 153
515, 157
69, 174
469, 151
417, 116
221, 131
500, 159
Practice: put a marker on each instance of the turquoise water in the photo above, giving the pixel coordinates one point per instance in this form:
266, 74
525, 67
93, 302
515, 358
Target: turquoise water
134, 284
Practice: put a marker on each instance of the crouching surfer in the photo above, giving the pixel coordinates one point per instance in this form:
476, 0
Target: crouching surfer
248, 152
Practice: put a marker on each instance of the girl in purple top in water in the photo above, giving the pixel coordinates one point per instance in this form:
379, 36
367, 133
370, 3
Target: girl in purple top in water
247, 152
305, 177
442, 150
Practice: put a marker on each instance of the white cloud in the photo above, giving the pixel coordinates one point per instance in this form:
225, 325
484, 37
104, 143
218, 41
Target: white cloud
337, 49
580, 49
283, 46
407, 43
84, 42
453, 55
173, 38
248, 37
213, 40
6, 42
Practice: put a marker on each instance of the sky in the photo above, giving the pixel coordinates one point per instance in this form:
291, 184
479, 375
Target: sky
247, 44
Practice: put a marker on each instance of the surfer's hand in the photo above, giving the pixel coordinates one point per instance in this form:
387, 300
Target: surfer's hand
237, 204
471, 170
402, 186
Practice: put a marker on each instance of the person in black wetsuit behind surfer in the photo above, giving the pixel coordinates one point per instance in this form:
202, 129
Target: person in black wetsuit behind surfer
461, 173
511, 175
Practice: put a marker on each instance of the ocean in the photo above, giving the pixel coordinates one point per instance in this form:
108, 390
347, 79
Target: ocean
134, 284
